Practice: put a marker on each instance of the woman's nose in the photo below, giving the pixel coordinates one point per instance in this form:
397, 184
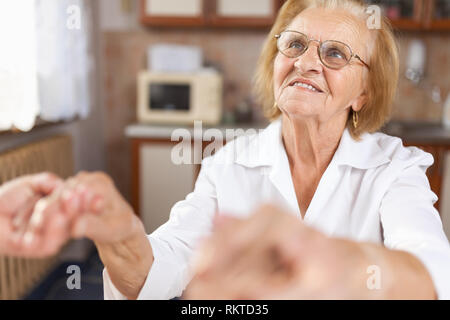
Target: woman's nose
309, 61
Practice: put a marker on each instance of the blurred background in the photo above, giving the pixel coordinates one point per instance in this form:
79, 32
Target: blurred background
102, 85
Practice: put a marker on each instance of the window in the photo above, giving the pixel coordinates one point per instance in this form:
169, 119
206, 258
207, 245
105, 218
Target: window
45, 61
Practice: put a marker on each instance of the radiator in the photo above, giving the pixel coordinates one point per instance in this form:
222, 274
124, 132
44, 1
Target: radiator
18, 276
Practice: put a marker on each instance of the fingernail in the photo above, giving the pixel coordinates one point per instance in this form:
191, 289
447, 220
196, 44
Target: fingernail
28, 238
37, 218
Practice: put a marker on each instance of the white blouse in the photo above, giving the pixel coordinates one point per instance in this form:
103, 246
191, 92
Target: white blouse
374, 190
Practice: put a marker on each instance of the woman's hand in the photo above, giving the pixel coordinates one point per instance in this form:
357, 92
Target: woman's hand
18, 199
92, 208
272, 255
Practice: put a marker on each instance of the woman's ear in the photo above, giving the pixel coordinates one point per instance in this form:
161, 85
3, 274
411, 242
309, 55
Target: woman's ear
359, 102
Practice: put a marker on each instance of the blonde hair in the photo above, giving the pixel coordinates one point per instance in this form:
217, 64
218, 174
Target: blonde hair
382, 78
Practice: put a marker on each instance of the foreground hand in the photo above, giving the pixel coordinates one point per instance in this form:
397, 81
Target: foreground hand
272, 255
17, 202
92, 208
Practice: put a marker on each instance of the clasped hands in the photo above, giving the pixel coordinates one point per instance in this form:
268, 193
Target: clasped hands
272, 255
39, 213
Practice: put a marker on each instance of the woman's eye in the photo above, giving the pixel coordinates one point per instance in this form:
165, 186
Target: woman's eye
335, 54
296, 45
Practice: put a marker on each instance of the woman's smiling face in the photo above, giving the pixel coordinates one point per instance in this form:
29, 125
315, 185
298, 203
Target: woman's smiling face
340, 89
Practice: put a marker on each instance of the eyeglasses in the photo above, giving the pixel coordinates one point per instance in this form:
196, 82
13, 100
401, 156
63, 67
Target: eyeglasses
333, 54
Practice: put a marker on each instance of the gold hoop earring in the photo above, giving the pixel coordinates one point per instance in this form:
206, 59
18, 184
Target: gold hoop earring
355, 119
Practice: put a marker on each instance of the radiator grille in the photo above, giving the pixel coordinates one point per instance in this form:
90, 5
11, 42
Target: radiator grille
18, 276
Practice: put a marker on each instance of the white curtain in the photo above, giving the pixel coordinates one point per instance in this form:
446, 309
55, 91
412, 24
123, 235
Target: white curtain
46, 62
19, 103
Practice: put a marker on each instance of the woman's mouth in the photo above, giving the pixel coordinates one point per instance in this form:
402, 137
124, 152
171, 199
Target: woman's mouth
305, 85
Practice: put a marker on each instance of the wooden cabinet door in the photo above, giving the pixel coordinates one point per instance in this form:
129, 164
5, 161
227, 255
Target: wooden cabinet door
243, 13
435, 173
404, 14
158, 183
173, 12
437, 15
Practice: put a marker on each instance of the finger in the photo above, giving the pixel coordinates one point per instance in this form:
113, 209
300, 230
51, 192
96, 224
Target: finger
23, 214
13, 195
46, 243
246, 232
55, 235
71, 202
90, 201
90, 226
45, 183
233, 242
45, 209
79, 199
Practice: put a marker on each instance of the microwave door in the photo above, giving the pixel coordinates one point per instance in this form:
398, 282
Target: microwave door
169, 97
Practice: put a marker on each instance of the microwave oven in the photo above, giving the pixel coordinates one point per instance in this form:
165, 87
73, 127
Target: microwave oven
180, 98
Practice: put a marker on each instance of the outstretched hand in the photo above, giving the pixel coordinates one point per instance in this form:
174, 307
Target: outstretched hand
39, 213
18, 201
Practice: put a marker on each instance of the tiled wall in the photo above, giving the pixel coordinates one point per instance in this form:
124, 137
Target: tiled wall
415, 103
236, 53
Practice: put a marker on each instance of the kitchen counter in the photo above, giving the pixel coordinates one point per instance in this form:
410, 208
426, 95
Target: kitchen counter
428, 133
410, 132
155, 131
431, 137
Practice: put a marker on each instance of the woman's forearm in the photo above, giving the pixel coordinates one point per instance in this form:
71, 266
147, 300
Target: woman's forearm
402, 275
128, 263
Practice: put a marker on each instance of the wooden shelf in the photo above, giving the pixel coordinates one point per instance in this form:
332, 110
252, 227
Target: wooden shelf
431, 23
209, 17
421, 18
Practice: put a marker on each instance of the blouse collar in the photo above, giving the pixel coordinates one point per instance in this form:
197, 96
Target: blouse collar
266, 148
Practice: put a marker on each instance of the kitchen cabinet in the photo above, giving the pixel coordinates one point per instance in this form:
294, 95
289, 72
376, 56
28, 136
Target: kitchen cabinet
437, 15
243, 13
435, 173
432, 15
404, 14
419, 15
166, 13
161, 181
209, 13
430, 137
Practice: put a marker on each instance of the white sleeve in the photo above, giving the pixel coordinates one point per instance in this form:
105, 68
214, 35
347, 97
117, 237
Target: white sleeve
411, 223
174, 242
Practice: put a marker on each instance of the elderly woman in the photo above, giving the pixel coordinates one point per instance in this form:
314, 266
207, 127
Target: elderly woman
359, 221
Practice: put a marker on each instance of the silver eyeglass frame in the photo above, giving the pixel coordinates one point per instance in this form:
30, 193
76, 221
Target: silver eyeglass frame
352, 55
